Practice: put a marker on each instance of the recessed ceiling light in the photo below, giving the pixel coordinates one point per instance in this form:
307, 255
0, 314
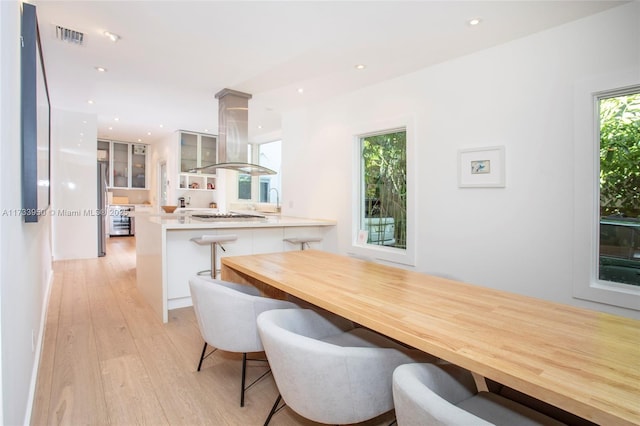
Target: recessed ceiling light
139, 140
360, 66
90, 102
206, 130
474, 21
112, 36
300, 90
161, 126
148, 133
101, 69
110, 128
259, 126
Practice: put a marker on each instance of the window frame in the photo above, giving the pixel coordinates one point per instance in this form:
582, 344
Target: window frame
406, 256
276, 179
586, 231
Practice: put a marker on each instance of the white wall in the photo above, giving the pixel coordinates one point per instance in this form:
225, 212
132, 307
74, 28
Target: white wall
164, 150
74, 185
25, 249
520, 95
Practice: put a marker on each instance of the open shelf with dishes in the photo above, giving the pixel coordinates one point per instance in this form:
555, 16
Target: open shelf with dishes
196, 181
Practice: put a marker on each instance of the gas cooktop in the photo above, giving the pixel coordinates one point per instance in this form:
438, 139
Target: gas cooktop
226, 216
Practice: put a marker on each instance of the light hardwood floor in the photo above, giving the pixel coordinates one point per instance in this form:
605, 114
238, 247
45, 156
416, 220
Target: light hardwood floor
107, 359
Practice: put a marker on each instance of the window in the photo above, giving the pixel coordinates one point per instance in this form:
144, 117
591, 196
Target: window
267, 188
383, 216
384, 180
602, 237
619, 183
244, 180
270, 156
244, 186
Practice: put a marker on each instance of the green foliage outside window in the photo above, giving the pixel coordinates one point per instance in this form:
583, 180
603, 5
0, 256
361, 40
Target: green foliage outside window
385, 184
619, 251
620, 156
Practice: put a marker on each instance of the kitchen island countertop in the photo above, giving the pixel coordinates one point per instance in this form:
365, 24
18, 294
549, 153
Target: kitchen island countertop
184, 221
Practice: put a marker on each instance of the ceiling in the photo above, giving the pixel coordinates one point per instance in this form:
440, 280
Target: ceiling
173, 56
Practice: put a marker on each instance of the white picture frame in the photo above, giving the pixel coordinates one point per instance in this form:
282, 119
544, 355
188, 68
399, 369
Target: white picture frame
481, 167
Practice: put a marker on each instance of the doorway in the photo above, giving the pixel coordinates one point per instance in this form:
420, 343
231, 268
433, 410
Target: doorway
162, 187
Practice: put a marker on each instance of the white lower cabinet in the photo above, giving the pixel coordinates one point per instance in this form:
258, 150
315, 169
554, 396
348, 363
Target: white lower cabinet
184, 258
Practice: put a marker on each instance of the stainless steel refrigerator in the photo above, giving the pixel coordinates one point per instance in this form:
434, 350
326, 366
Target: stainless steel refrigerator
102, 208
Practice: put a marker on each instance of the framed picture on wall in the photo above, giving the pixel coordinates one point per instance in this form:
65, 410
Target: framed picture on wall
481, 167
35, 121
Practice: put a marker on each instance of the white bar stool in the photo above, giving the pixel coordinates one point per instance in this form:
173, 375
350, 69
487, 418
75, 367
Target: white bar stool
303, 240
213, 241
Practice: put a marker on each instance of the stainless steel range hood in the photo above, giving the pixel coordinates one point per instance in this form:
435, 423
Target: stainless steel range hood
233, 134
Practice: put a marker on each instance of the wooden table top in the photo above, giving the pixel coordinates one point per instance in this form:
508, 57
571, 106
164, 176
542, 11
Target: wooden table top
583, 361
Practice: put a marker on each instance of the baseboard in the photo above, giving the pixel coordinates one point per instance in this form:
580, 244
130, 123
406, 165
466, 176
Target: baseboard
38, 351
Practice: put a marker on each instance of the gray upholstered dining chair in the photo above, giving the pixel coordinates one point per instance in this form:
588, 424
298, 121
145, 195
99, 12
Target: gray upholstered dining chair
446, 395
226, 314
328, 370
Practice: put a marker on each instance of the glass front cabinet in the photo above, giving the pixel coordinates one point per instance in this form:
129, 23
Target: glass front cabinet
120, 174
138, 166
188, 152
197, 150
127, 163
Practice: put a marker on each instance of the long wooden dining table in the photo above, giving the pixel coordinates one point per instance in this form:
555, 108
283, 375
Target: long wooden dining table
583, 361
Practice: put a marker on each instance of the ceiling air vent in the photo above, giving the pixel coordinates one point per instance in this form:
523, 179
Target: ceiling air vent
68, 35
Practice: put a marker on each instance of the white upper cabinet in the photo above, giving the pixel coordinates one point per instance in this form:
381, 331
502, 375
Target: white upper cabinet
197, 150
127, 163
120, 155
138, 166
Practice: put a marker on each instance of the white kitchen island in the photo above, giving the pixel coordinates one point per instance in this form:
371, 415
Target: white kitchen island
167, 258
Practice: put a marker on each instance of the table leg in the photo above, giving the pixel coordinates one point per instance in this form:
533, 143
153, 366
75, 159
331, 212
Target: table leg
481, 383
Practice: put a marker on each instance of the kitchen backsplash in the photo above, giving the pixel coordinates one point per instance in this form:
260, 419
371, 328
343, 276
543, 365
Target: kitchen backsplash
196, 198
136, 196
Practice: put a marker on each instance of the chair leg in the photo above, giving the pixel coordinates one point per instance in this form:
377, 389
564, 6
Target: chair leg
203, 356
274, 410
204, 349
244, 375
243, 379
